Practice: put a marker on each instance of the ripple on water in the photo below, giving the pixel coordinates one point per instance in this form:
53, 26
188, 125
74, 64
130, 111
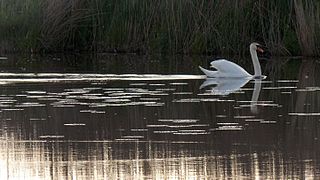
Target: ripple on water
36, 92
5, 105
227, 123
12, 109
192, 132
270, 88
229, 128
76, 91
63, 105
187, 126
116, 100
36, 96
37, 119
92, 111
179, 120
182, 93
164, 131
260, 104
156, 125
97, 105
112, 92
243, 117
74, 124
92, 94
139, 130
165, 89
146, 103
254, 120
308, 89
268, 122
92, 88
131, 94
30, 104
157, 84
188, 100
132, 137
159, 94
288, 81
8, 101
288, 87
138, 84
304, 114
155, 105
210, 100
149, 99
51, 137
126, 139
21, 95
179, 83
86, 97
113, 89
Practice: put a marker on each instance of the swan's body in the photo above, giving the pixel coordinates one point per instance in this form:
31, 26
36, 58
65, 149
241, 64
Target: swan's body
229, 69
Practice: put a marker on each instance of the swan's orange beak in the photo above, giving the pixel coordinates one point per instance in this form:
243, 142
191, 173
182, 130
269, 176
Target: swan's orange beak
260, 49
263, 52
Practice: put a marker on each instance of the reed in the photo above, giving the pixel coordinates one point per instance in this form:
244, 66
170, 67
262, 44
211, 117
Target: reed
307, 25
19, 24
169, 26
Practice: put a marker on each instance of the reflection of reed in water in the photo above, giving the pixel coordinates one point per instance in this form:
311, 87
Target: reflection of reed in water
309, 76
274, 67
304, 120
133, 160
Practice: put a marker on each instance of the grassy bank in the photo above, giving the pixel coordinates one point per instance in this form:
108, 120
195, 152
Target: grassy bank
152, 26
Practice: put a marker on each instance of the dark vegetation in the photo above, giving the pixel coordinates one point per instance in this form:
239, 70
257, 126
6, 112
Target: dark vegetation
287, 27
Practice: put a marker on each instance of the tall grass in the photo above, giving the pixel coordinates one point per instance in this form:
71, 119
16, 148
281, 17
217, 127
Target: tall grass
308, 25
168, 26
19, 24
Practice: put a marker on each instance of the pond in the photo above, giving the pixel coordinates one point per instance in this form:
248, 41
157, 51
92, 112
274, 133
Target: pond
152, 117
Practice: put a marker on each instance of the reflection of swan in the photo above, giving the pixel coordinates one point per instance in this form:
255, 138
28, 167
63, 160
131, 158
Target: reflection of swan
226, 68
255, 96
224, 86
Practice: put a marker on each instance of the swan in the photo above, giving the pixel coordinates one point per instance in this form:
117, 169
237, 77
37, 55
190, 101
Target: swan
228, 69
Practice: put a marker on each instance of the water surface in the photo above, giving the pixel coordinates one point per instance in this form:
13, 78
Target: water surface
137, 117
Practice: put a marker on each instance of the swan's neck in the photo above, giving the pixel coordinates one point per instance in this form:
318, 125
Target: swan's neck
255, 61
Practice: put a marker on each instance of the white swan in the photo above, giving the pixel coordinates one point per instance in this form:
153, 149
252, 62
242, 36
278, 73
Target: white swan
227, 69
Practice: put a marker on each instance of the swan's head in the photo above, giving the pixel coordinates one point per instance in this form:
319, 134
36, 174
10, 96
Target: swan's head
262, 51
256, 47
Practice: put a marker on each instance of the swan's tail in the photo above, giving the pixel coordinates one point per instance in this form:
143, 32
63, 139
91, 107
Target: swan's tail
208, 73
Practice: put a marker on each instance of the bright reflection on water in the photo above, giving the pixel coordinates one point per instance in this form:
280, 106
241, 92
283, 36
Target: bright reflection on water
102, 125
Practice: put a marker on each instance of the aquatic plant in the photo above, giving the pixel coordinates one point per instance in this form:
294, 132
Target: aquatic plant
307, 25
150, 26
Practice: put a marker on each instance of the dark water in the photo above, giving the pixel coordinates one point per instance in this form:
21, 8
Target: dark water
136, 117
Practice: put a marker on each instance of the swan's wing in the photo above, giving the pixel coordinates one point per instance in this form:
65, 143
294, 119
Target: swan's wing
229, 68
208, 73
